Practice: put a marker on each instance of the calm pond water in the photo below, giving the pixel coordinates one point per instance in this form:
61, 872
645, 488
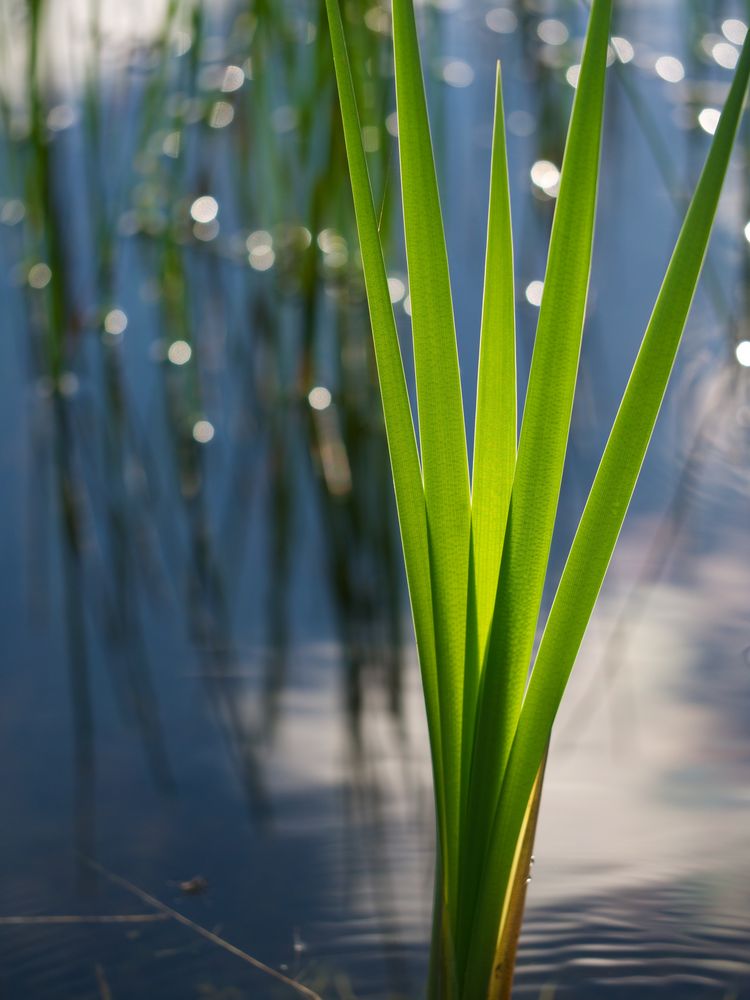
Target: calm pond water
210, 706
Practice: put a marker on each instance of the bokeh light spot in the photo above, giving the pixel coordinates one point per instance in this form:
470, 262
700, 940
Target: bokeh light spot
179, 352
534, 291
234, 77
502, 20
546, 175
670, 68
222, 114
319, 397
734, 30
396, 288
39, 275
725, 55
743, 353
204, 209
457, 73
572, 74
203, 431
552, 31
623, 49
115, 322
708, 120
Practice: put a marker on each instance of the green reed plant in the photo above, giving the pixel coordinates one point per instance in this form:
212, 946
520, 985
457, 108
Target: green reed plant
476, 551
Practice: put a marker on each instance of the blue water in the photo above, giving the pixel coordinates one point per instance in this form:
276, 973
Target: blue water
207, 667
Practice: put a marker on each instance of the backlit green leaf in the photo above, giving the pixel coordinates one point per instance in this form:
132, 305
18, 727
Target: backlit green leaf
442, 434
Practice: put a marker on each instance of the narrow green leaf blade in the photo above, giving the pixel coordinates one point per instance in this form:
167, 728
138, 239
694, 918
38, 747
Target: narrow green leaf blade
494, 443
441, 421
407, 476
606, 507
496, 428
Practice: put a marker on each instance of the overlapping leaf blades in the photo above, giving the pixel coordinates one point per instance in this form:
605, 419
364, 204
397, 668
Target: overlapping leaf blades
476, 581
441, 421
407, 475
606, 506
541, 455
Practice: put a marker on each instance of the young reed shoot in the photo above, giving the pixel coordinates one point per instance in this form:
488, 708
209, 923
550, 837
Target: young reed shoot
476, 552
